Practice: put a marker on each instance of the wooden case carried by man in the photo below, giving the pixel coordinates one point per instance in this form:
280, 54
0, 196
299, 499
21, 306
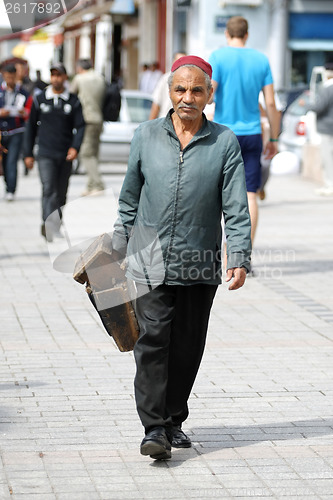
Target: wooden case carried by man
108, 291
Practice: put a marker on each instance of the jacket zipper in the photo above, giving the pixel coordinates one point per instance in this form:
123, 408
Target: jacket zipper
181, 161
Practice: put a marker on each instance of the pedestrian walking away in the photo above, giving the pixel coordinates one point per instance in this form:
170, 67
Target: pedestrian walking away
170, 231
90, 88
265, 133
239, 74
56, 117
13, 113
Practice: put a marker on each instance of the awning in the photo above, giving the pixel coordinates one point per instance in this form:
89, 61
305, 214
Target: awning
22, 35
76, 16
311, 45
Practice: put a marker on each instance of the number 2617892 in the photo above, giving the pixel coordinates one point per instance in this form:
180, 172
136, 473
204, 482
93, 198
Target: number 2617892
33, 8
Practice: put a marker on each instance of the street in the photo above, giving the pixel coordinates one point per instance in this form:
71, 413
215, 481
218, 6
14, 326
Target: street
261, 411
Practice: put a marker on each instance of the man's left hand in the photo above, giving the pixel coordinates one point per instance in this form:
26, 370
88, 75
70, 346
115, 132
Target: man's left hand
271, 149
71, 154
238, 274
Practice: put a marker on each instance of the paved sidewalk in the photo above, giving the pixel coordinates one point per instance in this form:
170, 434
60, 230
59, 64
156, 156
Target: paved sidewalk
261, 413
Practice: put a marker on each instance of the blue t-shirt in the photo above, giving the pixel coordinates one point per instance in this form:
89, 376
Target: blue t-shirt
241, 73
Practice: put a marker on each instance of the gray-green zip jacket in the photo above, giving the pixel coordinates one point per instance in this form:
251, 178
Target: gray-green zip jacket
171, 205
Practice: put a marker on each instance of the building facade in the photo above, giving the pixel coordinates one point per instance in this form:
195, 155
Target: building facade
295, 34
122, 35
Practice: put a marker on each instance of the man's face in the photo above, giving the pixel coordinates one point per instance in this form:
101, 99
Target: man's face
10, 79
188, 93
21, 71
57, 80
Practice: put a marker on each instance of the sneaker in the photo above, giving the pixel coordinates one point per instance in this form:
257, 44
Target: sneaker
325, 191
9, 197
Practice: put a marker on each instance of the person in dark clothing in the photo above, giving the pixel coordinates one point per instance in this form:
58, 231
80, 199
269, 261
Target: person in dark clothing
13, 112
56, 117
39, 83
23, 79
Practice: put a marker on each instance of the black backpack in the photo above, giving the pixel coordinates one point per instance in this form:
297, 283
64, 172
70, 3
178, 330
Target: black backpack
111, 103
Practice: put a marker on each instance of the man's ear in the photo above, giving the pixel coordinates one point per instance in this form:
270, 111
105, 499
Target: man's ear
211, 93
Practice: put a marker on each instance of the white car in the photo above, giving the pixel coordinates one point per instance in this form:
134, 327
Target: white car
116, 137
298, 126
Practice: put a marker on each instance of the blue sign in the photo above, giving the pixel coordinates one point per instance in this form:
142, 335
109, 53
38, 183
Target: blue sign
221, 23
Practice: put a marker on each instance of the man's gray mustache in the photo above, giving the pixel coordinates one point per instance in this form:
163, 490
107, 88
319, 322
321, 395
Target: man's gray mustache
187, 107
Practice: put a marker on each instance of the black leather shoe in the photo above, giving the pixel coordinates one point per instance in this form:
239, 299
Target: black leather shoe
179, 438
156, 444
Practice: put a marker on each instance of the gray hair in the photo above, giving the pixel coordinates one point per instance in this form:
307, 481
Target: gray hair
84, 64
207, 78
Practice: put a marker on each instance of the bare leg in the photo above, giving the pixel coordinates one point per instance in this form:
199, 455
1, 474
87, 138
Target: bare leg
253, 207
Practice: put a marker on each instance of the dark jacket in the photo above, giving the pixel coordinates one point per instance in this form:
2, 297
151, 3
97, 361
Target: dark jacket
18, 99
58, 122
323, 107
172, 201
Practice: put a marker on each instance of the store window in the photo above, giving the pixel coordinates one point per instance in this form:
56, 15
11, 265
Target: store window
311, 43
303, 62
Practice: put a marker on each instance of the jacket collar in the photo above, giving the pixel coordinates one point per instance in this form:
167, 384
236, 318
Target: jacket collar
203, 132
49, 94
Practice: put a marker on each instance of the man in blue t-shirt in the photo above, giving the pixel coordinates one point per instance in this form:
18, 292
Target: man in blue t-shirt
239, 74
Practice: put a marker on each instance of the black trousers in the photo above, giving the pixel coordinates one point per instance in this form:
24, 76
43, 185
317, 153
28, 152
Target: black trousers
173, 324
54, 175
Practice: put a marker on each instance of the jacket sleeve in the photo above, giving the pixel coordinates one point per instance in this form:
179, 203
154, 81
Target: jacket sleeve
31, 129
78, 126
129, 197
235, 208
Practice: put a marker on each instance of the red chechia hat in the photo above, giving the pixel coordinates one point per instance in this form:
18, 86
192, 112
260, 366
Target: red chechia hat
196, 61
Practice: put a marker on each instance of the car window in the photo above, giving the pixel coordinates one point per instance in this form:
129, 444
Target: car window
295, 108
138, 109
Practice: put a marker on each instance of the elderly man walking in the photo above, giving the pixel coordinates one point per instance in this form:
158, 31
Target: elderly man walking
184, 172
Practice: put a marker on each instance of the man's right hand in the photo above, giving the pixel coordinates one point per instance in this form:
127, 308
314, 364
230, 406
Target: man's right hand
29, 162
